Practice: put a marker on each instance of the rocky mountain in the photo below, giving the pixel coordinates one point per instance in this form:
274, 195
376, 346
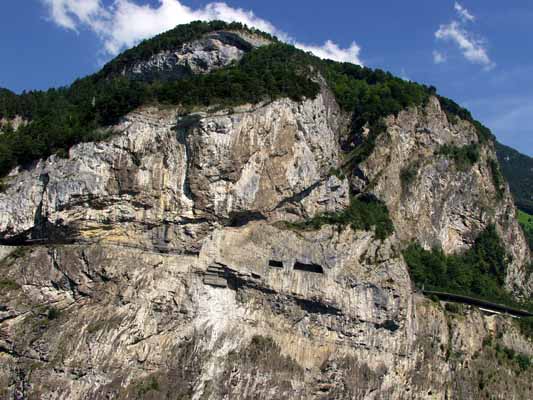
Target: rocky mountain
247, 248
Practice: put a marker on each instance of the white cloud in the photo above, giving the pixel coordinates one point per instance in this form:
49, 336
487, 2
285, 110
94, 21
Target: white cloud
130, 22
464, 14
68, 13
125, 23
332, 51
438, 57
473, 49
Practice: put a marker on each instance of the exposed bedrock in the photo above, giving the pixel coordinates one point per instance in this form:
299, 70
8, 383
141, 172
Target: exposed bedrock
157, 264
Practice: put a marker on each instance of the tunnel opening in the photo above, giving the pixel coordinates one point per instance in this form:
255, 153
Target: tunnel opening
238, 219
275, 264
315, 268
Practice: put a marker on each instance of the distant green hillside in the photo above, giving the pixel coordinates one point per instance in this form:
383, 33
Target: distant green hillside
526, 221
518, 170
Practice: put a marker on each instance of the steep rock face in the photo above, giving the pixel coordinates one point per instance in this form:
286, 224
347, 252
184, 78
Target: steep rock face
166, 179
111, 322
443, 204
213, 51
268, 160
165, 271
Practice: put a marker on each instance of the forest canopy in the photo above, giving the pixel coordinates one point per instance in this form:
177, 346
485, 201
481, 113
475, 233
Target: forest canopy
479, 272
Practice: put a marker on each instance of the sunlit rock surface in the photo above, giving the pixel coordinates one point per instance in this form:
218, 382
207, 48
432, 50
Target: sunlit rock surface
157, 265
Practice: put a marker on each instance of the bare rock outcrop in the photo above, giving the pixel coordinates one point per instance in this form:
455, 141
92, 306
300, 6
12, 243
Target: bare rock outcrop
12, 123
162, 178
434, 200
213, 51
102, 321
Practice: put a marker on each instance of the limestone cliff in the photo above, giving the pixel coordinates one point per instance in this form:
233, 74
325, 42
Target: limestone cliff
208, 53
156, 264
443, 204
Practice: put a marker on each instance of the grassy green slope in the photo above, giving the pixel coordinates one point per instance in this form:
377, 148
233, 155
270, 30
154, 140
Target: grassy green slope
526, 221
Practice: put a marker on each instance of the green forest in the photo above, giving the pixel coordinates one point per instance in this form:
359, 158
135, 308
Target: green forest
464, 156
517, 169
526, 222
60, 118
364, 213
479, 272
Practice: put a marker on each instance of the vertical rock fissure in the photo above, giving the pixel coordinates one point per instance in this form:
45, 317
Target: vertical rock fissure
40, 221
182, 129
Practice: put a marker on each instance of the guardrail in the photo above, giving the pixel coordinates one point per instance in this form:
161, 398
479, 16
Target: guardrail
479, 303
161, 248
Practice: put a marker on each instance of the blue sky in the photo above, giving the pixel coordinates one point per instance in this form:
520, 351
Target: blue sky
478, 52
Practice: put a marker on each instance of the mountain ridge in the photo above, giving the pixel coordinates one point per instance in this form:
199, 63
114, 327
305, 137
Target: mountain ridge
10, 107
263, 230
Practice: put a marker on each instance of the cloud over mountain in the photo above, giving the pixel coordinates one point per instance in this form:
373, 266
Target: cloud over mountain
124, 23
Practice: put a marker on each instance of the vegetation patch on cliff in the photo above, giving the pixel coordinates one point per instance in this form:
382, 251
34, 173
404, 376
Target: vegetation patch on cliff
364, 213
7, 285
464, 157
409, 174
526, 327
479, 272
262, 357
507, 356
497, 178
264, 352
149, 385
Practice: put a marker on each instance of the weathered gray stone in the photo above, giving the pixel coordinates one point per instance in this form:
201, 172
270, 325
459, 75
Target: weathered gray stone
155, 280
443, 205
213, 51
